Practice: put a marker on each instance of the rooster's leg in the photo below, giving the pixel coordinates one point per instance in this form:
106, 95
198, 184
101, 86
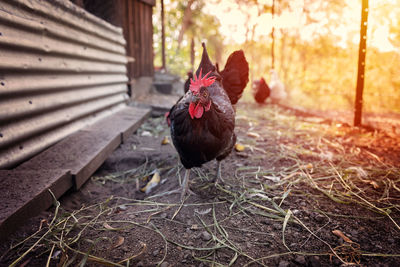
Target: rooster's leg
219, 176
185, 184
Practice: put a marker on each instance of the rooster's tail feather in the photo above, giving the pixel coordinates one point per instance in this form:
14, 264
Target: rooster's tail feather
235, 75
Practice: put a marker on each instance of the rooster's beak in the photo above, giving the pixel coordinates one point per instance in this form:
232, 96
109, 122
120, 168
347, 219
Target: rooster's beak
195, 98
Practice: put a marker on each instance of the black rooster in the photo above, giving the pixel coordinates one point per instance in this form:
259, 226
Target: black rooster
202, 122
261, 91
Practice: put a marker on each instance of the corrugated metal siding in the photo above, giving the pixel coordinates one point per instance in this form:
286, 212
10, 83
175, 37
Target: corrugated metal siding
61, 69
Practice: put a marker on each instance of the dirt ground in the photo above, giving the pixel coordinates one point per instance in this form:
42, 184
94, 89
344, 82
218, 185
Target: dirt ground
303, 192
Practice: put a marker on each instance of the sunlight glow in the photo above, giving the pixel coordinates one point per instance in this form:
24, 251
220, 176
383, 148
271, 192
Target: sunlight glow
237, 23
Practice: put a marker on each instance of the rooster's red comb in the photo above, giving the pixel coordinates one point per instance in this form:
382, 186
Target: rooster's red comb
197, 82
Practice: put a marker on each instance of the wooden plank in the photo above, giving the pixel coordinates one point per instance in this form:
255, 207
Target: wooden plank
84, 151
123, 119
26, 193
131, 38
149, 2
164, 66
136, 30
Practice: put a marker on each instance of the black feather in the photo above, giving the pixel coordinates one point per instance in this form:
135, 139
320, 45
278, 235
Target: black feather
187, 82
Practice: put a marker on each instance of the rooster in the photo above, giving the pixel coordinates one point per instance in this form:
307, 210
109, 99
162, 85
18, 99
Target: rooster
202, 122
261, 91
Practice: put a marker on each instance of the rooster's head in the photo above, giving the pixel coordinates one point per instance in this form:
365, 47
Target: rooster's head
200, 101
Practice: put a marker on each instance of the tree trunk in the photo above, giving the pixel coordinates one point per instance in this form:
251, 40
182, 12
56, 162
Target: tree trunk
186, 21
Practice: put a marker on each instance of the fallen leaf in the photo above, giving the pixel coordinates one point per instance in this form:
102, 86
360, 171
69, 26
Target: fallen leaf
108, 227
152, 183
194, 227
165, 140
373, 183
343, 236
307, 166
253, 134
146, 133
119, 242
239, 147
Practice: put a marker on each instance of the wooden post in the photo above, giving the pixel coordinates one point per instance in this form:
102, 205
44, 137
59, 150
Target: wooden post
361, 64
163, 35
273, 36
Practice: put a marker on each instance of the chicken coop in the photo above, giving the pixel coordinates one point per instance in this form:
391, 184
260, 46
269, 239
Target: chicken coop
67, 71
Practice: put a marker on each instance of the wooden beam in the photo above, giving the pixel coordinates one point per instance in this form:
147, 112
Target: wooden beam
163, 35
149, 2
361, 64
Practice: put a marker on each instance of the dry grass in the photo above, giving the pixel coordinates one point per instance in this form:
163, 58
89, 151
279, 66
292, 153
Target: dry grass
317, 156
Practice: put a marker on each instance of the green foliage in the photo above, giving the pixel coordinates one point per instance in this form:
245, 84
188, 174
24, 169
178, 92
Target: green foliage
203, 27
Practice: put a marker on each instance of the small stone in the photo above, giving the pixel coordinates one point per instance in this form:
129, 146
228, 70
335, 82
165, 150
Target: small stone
164, 264
163, 215
205, 236
156, 252
284, 264
277, 226
300, 260
140, 264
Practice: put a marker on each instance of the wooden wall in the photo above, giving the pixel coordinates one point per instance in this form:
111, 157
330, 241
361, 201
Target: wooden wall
138, 31
135, 18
